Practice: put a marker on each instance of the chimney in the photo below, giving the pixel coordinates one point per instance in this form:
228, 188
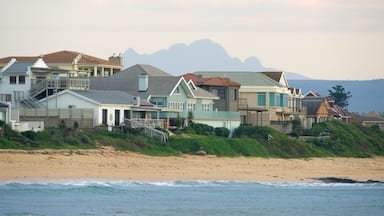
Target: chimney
117, 59
143, 82
137, 101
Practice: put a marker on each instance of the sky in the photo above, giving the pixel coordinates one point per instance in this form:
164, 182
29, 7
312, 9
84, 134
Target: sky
321, 39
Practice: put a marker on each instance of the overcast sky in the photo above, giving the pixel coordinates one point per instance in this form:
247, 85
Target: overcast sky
323, 39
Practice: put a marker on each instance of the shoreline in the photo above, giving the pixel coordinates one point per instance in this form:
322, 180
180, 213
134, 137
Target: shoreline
106, 163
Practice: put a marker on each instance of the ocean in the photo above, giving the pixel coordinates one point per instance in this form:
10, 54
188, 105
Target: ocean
112, 197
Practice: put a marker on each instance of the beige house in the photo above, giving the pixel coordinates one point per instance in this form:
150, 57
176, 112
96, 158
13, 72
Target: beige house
265, 98
78, 64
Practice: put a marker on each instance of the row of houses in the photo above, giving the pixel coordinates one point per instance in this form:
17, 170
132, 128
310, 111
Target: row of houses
144, 94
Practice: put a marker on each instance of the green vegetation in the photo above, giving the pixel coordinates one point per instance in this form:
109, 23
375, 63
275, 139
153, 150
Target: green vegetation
346, 140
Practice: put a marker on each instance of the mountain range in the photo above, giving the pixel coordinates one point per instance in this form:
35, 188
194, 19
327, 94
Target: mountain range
200, 55
206, 55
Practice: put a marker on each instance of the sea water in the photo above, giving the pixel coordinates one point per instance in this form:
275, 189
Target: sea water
106, 197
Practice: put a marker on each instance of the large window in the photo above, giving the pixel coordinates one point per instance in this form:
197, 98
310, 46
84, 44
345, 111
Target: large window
176, 105
12, 79
261, 100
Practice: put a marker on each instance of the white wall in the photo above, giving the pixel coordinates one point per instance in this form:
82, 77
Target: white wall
67, 99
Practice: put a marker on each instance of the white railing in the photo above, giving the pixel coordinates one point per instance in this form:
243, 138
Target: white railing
149, 126
141, 123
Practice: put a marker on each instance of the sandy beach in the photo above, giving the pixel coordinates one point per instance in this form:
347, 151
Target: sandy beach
109, 164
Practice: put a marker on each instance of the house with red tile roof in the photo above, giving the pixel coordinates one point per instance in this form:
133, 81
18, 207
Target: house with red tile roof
77, 63
226, 89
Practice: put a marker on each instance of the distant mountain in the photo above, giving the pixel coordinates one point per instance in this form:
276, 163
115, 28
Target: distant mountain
367, 95
201, 55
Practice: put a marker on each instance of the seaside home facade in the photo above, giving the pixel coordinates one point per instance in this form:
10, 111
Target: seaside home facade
109, 108
174, 95
78, 64
265, 99
224, 88
23, 83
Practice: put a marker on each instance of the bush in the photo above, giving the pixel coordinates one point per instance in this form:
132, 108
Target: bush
222, 131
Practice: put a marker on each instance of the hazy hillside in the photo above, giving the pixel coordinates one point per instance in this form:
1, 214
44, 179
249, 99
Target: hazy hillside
200, 55
366, 95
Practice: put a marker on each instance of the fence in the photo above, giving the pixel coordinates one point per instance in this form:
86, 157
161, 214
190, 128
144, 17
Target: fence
51, 117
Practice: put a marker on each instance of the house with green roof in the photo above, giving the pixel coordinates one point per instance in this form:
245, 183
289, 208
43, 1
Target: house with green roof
265, 98
176, 97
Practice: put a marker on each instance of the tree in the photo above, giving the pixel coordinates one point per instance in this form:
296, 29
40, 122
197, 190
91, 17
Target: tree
340, 96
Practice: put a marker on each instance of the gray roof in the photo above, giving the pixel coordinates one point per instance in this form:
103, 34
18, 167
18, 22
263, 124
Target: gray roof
160, 83
142, 69
129, 83
18, 68
244, 78
111, 97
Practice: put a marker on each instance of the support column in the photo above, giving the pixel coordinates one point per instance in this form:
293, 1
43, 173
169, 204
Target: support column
95, 71
102, 72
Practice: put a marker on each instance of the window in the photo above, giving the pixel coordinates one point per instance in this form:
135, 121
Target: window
234, 94
271, 99
261, 101
127, 114
176, 105
6, 97
21, 79
206, 107
222, 93
158, 101
12, 79
104, 117
177, 90
191, 107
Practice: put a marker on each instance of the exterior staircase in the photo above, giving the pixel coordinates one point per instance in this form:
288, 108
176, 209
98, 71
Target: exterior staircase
149, 128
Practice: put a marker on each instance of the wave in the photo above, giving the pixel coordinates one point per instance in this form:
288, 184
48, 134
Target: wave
105, 183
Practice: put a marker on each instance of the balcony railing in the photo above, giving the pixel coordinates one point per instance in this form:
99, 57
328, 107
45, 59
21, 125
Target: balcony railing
217, 115
144, 123
37, 86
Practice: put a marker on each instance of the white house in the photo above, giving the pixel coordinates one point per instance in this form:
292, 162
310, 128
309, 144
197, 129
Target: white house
17, 79
110, 108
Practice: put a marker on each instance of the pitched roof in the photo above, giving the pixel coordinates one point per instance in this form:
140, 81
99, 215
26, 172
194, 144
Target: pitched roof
19, 58
127, 82
66, 56
63, 57
18, 68
143, 69
210, 81
244, 78
313, 104
160, 83
111, 97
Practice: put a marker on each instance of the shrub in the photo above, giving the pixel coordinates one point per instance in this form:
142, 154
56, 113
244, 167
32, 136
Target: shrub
222, 131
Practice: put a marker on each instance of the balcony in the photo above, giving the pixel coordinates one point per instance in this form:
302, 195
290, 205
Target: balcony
38, 86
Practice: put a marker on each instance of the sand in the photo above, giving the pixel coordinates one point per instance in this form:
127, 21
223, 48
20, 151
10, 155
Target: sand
109, 164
